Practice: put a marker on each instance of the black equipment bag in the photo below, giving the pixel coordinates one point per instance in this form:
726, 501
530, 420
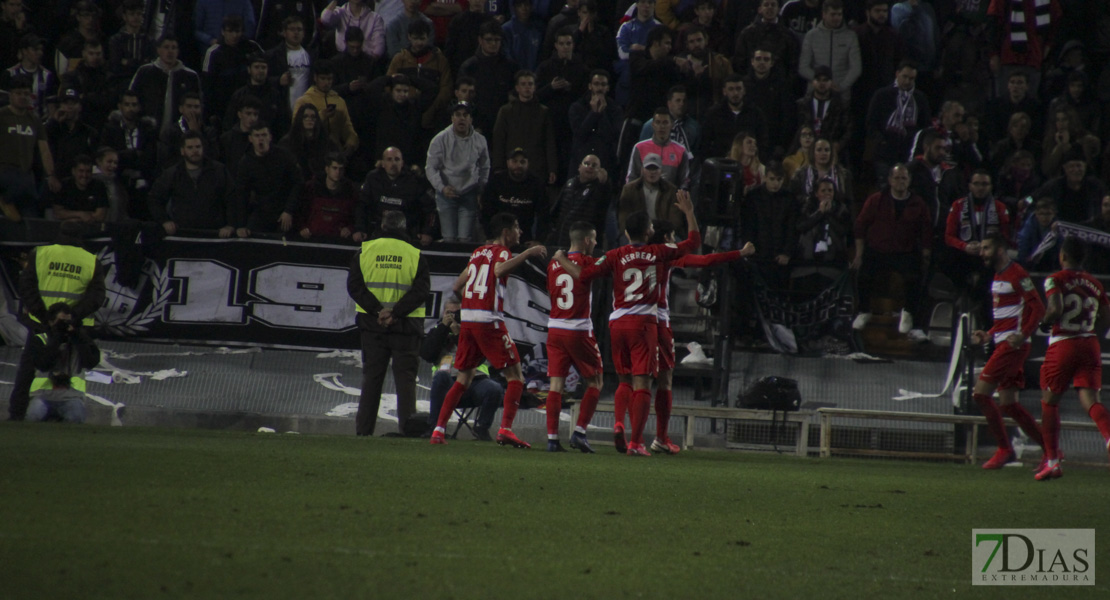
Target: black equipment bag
771, 393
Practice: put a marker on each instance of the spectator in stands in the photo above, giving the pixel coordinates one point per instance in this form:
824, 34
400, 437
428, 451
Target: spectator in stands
14, 25
566, 18
593, 40
947, 126
1017, 179
274, 13
516, 190
1077, 97
653, 71
161, 83
970, 220
824, 165
43, 81
832, 44
290, 63
1077, 194
525, 123
211, 16
308, 142
704, 70
106, 172
269, 184
135, 138
523, 36
767, 32
729, 117
685, 131
392, 186
86, 16
596, 122
881, 50
1098, 256
464, 33
398, 112
130, 47
916, 23
649, 192
823, 226
674, 157
397, 30
441, 12
706, 17
67, 134
356, 13
274, 101
1017, 139
493, 75
237, 141
331, 108
562, 81
1036, 251
824, 111
82, 198
463, 92
428, 72
894, 233
633, 36
458, 168
585, 197
1025, 30
999, 112
90, 78
894, 116
800, 151
328, 202
225, 64
353, 69
60, 358
745, 151
191, 110
936, 180
193, 193
770, 89
1065, 137
767, 216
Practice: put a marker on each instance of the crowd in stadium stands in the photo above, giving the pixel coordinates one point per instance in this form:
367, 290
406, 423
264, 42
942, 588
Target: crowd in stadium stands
865, 133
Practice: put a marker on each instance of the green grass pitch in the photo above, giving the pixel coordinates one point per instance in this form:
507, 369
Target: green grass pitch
94, 512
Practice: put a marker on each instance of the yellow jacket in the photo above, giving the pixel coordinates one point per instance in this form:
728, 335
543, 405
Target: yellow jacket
339, 126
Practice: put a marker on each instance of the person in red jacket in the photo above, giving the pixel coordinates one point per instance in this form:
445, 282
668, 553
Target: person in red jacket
329, 203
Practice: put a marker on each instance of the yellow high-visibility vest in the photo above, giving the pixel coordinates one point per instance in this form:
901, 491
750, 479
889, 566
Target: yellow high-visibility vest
64, 274
42, 382
389, 268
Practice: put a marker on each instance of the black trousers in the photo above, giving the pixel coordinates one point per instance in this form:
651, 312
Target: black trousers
20, 397
881, 264
378, 347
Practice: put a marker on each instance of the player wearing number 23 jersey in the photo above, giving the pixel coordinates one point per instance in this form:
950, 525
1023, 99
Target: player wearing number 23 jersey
1073, 349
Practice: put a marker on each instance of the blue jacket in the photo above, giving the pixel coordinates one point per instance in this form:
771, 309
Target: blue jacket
208, 19
1029, 238
522, 41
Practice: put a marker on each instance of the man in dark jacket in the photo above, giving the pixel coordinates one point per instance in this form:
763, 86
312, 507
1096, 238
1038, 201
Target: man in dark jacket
167, 73
269, 185
770, 89
130, 47
767, 221
561, 80
729, 117
392, 186
518, 191
135, 139
525, 123
90, 79
225, 64
767, 32
275, 103
894, 116
936, 181
194, 193
493, 75
585, 197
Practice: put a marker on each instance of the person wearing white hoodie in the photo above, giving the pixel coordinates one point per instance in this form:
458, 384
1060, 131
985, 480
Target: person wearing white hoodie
834, 45
458, 168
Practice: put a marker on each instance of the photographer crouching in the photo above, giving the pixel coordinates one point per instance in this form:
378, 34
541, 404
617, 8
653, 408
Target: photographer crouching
61, 356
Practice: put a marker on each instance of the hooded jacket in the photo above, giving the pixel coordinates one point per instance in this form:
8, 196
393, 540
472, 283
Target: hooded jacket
158, 86
461, 162
838, 49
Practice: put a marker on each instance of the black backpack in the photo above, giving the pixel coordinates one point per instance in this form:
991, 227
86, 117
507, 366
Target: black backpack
771, 393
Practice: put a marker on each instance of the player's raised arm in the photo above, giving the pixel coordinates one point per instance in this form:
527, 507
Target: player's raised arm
571, 268
686, 205
504, 268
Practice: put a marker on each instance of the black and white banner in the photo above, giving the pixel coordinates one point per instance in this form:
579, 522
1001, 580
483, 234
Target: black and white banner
269, 293
821, 323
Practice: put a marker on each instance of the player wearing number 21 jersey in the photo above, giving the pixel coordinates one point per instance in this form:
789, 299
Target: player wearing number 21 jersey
1017, 309
633, 322
482, 335
1078, 312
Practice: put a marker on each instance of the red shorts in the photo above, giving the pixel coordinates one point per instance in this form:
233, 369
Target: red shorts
566, 347
1076, 360
485, 342
635, 348
666, 347
1006, 366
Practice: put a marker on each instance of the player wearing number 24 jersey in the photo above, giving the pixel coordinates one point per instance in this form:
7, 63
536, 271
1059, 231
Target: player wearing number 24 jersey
1078, 313
633, 322
483, 335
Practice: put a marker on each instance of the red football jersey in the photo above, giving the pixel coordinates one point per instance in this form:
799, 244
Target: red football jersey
1017, 305
1082, 296
690, 260
635, 276
484, 295
570, 299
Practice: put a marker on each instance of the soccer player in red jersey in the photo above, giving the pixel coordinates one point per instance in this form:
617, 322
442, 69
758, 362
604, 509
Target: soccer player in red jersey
1017, 310
570, 339
483, 335
633, 322
1078, 313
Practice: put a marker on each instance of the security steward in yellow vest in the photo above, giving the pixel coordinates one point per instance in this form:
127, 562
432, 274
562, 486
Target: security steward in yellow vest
390, 283
61, 272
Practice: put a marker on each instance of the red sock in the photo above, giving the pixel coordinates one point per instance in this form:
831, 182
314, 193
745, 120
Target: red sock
450, 401
1050, 427
1101, 417
663, 400
554, 407
589, 405
994, 420
1026, 421
512, 402
639, 409
620, 403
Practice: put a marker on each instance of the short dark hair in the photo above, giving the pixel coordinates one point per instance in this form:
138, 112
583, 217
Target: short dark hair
335, 157
256, 58
419, 28
260, 125
637, 224
393, 221
521, 74
83, 159
661, 111
490, 27
832, 5
56, 309
133, 6
591, 5
232, 23
167, 37
873, 3
565, 31
287, 21
580, 229
465, 80
354, 34
598, 72
192, 134
982, 172
189, 96
662, 228
322, 67
733, 79
907, 64
774, 167
929, 137
103, 151
91, 44
500, 222
657, 35
249, 101
1074, 248
1021, 74
1044, 202
693, 28
20, 82
996, 238
675, 89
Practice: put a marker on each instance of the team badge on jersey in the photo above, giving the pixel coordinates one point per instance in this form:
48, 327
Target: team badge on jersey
1027, 284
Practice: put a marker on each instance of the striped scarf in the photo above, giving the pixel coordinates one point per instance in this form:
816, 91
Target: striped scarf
905, 112
1021, 28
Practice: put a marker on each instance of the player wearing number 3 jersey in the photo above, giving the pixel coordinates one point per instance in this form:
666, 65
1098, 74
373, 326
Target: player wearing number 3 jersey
1017, 309
483, 335
632, 324
1078, 313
